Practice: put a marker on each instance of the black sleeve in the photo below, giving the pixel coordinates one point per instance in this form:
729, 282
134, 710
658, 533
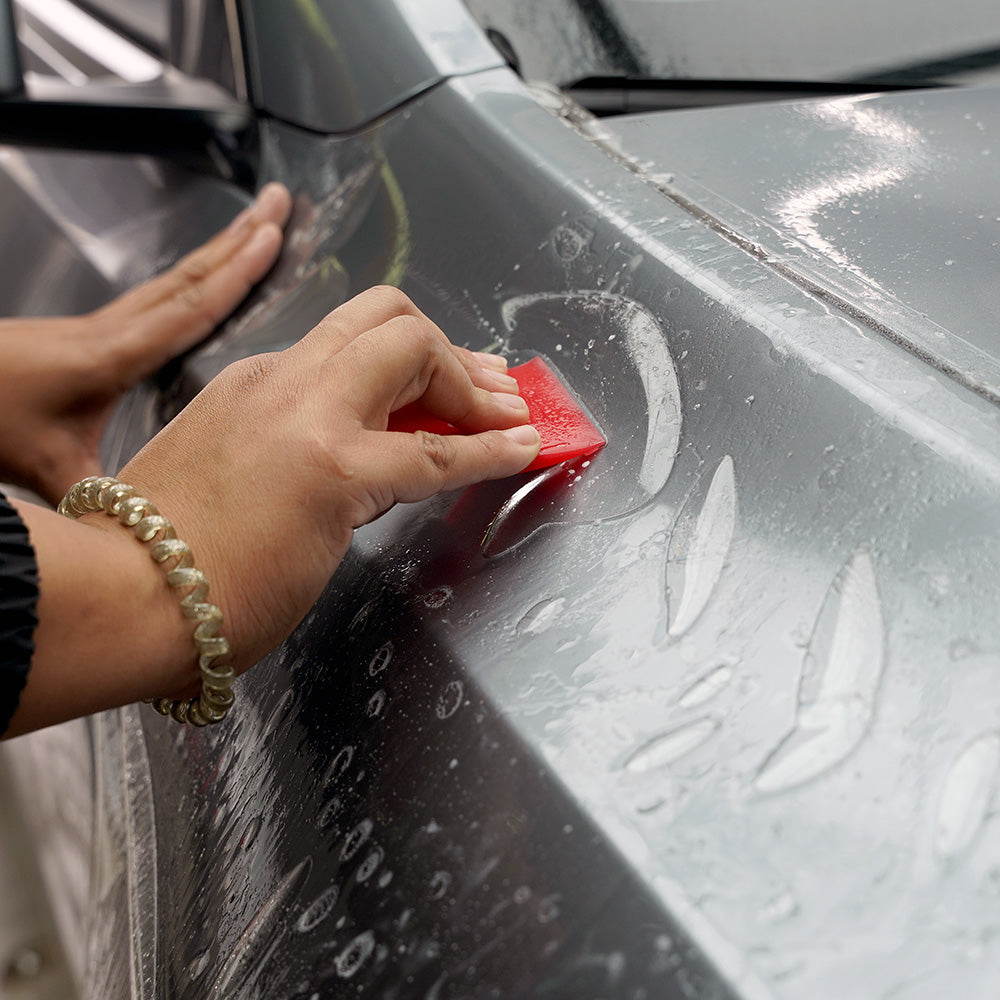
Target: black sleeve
18, 601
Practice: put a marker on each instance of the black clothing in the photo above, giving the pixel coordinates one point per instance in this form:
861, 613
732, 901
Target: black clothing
18, 602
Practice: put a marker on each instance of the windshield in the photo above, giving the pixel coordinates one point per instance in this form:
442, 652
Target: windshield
909, 42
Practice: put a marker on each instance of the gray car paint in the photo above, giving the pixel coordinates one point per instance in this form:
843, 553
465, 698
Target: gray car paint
714, 715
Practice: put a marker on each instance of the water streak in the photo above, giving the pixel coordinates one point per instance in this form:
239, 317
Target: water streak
670, 746
839, 683
966, 796
707, 687
260, 935
539, 617
699, 547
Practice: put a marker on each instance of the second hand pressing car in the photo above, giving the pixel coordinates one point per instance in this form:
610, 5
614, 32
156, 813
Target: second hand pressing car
713, 714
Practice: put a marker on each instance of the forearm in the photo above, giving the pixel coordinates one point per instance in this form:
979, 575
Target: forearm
110, 629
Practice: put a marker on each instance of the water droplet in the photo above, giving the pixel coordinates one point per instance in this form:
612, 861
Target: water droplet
539, 617
615, 964
783, 907
367, 867
839, 681
548, 908
355, 955
569, 242
669, 746
356, 839
966, 795
699, 546
449, 700
328, 813
707, 687
439, 885
339, 765
318, 910
381, 659
437, 598
960, 649
376, 703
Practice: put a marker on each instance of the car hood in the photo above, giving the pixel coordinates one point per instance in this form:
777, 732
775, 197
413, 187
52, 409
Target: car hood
886, 206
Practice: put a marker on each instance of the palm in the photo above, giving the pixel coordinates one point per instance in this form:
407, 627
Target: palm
63, 376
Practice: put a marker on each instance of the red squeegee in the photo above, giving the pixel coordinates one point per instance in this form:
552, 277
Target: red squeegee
567, 430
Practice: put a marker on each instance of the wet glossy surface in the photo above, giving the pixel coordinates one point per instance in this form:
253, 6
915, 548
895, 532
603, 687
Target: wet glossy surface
362, 61
713, 713
888, 202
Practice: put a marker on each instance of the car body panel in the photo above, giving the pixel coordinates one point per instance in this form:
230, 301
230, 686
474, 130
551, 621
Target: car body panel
712, 715
395, 51
877, 201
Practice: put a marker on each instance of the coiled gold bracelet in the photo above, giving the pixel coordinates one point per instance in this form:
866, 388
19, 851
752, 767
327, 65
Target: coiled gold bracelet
104, 493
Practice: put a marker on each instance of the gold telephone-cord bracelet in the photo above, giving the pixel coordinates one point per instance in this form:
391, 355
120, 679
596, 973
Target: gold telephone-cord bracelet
104, 493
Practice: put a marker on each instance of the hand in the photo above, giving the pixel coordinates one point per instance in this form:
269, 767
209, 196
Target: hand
61, 377
267, 473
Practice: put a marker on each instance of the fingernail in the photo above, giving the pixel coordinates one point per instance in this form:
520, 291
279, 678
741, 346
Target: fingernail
510, 401
267, 194
494, 362
497, 380
256, 207
526, 434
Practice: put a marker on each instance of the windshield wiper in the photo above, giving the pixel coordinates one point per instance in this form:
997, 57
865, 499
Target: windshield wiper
619, 95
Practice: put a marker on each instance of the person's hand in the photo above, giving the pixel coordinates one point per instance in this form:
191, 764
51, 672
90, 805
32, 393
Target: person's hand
269, 470
61, 377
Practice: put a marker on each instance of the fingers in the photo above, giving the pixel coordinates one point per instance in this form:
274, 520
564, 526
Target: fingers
367, 310
165, 316
381, 305
412, 467
408, 359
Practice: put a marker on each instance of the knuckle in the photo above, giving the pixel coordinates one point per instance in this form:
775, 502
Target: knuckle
437, 450
191, 270
250, 374
191, 296
189, 289
418, 333
391, 298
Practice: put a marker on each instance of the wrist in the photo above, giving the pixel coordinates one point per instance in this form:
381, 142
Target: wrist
123, 502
